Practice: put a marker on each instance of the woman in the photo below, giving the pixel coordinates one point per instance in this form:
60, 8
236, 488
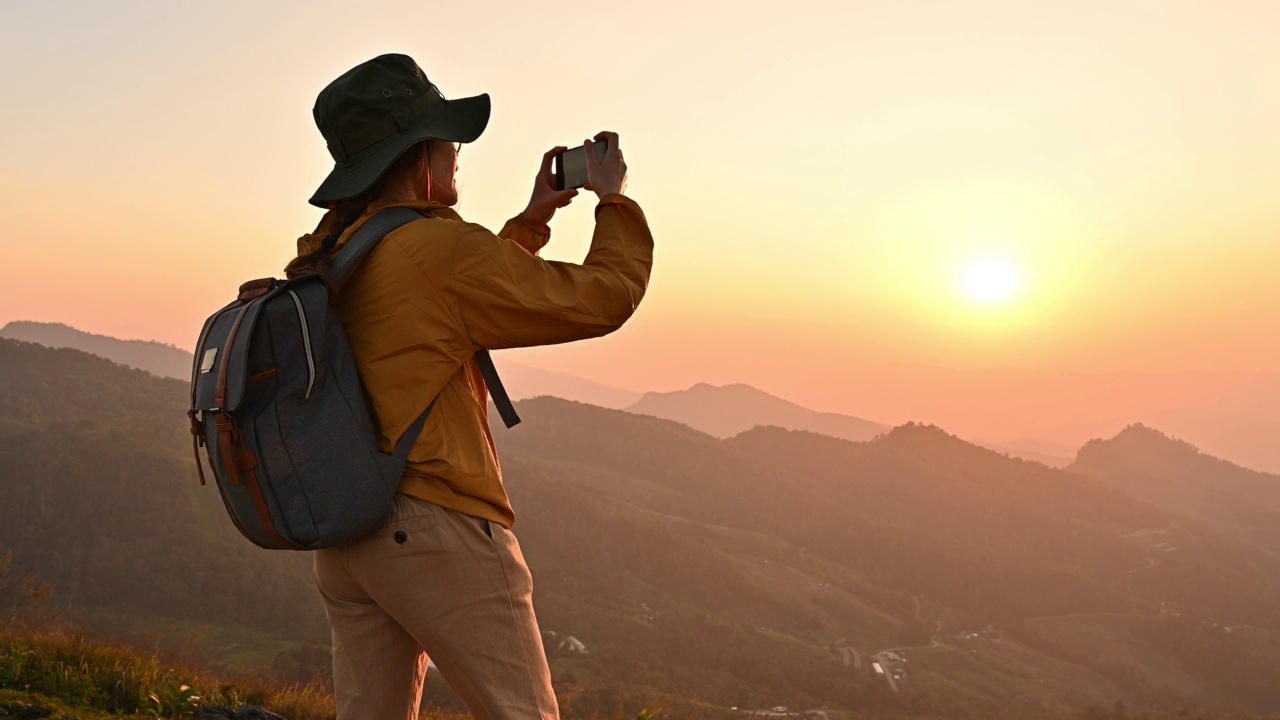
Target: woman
444, 578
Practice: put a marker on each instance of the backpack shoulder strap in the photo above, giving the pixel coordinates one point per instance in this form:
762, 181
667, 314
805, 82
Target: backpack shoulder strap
410, 436
496, 390
346, 260
367, 238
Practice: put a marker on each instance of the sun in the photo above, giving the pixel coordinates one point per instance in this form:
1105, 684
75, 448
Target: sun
991, 280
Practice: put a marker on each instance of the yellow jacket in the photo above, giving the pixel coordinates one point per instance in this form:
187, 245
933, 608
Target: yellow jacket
435, 291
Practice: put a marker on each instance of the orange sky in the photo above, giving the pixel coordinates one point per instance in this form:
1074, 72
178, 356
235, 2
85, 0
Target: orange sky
818, 176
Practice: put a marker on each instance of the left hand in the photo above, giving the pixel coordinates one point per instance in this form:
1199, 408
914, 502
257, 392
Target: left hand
545, 199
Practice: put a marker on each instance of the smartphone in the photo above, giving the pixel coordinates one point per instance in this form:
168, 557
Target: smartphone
571, 165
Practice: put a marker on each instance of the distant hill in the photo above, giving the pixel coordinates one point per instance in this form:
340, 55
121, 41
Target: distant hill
1230, 414
731, 409
861, 529
1031, 415
156, 358
1175, 475
734, 572
523, 381
100, 494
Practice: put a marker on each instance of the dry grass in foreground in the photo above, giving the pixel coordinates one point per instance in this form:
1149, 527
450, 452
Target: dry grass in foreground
77, 676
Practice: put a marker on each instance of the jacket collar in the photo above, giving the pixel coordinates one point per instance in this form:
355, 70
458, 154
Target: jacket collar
311, 242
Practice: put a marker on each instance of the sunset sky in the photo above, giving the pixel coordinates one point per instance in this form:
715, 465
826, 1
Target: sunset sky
830, 185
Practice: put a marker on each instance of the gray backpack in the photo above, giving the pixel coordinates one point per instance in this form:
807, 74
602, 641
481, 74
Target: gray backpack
278, 404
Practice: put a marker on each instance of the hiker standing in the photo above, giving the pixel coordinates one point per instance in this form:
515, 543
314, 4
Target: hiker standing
444, 577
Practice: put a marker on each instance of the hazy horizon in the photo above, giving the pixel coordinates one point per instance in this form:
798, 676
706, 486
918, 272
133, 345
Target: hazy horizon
1119, 158
1230, 415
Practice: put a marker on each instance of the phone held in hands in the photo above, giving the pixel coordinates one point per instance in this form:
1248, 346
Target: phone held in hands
571, 165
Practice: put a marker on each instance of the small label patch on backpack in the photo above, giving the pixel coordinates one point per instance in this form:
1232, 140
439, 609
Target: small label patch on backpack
206, 362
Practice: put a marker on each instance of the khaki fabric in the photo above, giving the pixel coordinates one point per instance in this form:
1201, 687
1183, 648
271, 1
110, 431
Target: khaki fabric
453, 589
436, 290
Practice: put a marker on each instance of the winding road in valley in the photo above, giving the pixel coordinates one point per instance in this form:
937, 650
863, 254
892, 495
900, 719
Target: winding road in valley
884, 665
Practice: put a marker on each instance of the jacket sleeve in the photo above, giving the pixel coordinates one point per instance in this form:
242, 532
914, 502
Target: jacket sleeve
508, 297
525, 234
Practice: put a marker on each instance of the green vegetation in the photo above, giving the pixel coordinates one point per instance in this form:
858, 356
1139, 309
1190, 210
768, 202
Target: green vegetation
43, 662
121, 681
100, 494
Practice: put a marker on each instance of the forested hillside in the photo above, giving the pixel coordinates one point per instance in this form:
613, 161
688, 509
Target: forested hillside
156, 358
773, 568
1175, 475
729, 410
101, 496
979, 539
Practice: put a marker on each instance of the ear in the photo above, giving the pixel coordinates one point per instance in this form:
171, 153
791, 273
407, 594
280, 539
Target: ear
426, 162
424, 156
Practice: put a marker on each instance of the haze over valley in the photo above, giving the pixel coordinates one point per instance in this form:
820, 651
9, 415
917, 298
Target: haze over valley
911, 572
1044, 418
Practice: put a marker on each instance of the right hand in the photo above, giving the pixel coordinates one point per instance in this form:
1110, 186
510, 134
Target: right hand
545, 199
610, 176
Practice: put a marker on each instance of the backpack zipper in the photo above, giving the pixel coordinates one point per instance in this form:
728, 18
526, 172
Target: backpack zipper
306, 343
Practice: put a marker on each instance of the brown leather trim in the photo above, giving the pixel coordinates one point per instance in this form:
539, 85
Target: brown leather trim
220, 392
255, 289
246, 460
270, 372
260, 502
224, 424
197, 428
226, 428
229, 434
239, 462
195, 449
227, 504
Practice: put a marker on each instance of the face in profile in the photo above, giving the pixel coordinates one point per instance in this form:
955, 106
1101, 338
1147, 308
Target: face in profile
442, 169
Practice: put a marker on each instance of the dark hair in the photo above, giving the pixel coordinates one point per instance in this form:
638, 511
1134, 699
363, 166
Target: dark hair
343, 213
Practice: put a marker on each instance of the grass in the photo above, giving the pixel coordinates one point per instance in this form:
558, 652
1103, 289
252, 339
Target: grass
116, 680
12, 703
75, 676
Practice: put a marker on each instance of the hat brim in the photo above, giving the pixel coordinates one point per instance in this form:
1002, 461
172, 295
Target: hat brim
462, 120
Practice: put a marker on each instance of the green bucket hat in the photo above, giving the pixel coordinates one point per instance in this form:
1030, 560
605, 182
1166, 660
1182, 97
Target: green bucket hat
375, 111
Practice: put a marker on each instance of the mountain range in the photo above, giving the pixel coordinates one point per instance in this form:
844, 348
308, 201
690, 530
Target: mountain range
732, 409
523, 382
1175, 475
741, 571
156, 358
1034, 416
1233, 414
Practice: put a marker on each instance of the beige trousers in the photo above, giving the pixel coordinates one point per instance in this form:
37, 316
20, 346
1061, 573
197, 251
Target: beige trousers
434, 583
